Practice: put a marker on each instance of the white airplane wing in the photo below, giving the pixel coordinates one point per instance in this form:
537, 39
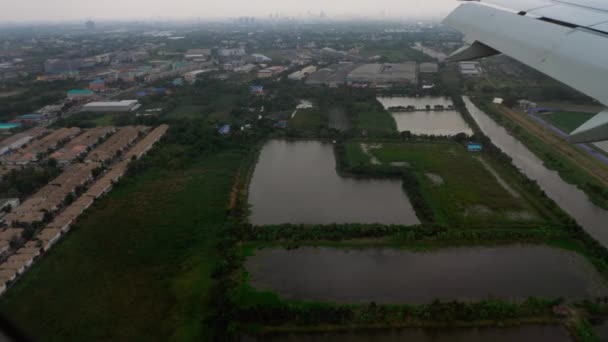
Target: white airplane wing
565, 39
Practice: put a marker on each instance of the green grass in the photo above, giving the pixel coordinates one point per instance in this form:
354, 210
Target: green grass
470, 195
187, 112
567, 121
373, 119
104, 120
309, 119
137, 267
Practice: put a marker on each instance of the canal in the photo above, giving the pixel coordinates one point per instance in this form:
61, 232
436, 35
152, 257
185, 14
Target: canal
571, 199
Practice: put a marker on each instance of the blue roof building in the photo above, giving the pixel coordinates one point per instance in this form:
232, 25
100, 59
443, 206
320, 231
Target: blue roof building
474, 147
224, 130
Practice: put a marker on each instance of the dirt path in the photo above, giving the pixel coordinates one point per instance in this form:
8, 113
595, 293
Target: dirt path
567, 150
501, 181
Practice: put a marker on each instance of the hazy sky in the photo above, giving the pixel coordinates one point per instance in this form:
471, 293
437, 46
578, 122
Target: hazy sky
51, 10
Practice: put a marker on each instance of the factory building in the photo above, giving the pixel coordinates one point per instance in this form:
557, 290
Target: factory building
117, 106
383, 74
470, 69
429, 68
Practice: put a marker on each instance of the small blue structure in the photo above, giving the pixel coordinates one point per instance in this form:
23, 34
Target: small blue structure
281, 124
9, 125
178, 82
256, 90
224, 130
141, 93
474, 147
30, 118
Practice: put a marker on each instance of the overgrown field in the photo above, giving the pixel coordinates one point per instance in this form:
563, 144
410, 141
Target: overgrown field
138, 265
372, 118
463, 189
310, 119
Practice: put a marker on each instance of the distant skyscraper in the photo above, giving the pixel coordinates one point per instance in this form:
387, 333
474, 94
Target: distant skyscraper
322, 15
90, 24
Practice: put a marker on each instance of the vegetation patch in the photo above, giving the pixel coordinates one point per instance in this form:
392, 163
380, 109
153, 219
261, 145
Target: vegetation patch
310, 119
567, 121
139, 264
458, 181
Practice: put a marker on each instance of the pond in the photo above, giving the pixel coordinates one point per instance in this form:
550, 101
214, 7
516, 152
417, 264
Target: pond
421, 121
393, 276
297, 182
553, 333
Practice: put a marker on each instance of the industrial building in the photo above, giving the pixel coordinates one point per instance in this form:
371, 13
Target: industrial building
470, 69
332, 76
383, 74
429, 68
111, 106
302, 74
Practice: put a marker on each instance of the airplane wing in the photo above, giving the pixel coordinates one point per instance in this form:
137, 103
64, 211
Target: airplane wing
565, 39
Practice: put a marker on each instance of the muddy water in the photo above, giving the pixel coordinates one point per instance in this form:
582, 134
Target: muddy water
297, 182
527, 333
572, 200
447, 122
398, 276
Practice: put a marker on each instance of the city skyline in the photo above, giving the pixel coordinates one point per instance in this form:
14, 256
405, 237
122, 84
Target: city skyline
66, 10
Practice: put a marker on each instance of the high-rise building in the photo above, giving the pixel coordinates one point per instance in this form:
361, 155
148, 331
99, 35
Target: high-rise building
90, 24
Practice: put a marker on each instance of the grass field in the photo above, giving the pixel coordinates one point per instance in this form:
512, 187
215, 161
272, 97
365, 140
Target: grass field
187, 112
104, 120
310, 119
462, 191
137, 267
567, 121
373, 118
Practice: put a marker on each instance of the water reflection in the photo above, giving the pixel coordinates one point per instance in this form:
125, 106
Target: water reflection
296, 182
398, 276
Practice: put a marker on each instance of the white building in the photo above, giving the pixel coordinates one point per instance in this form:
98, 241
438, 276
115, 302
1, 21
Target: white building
259, 58
111, 106
302, 74
471, 69
14, 142
238, 52
191, 76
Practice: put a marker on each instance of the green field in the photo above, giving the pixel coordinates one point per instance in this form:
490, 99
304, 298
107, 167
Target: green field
138, 265
372, 118
566, 121
187, 112
460, 189
310, 119
104, 120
